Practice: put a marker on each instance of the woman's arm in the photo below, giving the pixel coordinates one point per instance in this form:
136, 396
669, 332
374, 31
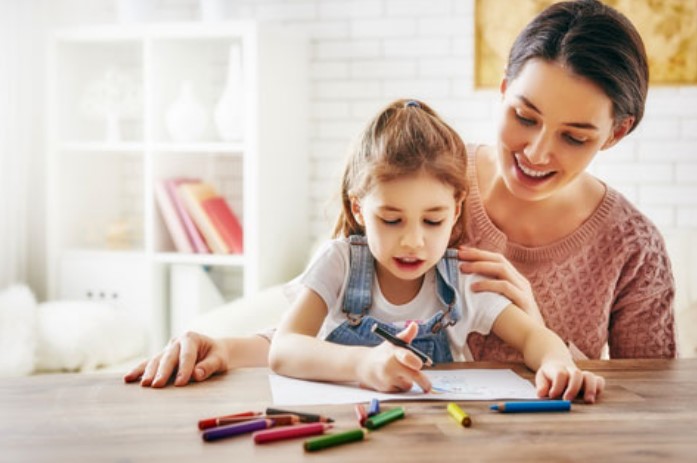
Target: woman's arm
297, 352
545, 352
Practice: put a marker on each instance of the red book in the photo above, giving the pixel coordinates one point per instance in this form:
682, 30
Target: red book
225, 222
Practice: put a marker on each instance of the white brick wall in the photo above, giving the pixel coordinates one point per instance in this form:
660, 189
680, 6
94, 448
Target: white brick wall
367, 52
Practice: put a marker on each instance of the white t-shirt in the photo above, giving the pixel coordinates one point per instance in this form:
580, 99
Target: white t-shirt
328, 274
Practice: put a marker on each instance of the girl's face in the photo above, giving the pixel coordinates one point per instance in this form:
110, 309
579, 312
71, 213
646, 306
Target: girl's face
408, 223
553, 124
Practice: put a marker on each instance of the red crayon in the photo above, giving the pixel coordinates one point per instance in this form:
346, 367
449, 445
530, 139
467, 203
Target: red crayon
213, 422
290, 432
361, 414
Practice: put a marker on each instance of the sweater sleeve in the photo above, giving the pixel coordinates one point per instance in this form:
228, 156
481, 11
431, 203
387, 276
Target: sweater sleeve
642, 323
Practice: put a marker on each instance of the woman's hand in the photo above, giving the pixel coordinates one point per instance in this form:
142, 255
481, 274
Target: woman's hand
558, 380
503, 278
388, 368
191, 355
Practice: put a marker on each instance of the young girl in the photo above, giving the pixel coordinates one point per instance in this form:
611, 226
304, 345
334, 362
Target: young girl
403, 190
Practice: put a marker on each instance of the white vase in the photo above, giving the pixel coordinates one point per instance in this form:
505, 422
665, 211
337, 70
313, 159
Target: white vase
186, 116
229, 111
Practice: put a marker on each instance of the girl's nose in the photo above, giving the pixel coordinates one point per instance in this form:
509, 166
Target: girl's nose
413, 238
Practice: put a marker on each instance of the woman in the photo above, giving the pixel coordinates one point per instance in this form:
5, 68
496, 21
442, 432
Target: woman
558, 243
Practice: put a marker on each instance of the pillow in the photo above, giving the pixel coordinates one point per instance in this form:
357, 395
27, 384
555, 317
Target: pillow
85, 335
17, 331
247, 315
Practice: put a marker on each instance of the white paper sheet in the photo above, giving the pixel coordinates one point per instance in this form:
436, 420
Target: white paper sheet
454, 385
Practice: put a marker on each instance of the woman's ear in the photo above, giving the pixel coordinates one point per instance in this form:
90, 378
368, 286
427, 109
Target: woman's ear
356, 210
618, 132
503, 86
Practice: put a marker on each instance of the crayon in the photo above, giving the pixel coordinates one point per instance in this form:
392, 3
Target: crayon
400, 343
459, 415
304, 417
533, 406
381, 419
374, 407
213, 422
231, 430
361, 414
330, 440
289, 432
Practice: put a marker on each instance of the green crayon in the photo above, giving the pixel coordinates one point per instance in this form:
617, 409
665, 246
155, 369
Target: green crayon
330, 440
381, 419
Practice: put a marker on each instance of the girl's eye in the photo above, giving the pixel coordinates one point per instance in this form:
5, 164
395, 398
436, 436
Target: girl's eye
433, 223
390, 222
573, 140
524, 120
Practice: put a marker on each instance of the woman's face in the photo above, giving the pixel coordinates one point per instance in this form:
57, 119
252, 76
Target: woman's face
552, 125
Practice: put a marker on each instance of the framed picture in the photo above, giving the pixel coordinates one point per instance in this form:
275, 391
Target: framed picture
668, 28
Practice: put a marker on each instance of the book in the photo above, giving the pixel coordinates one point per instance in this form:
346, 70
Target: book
193, 194
174, 225
192, 232
225, 221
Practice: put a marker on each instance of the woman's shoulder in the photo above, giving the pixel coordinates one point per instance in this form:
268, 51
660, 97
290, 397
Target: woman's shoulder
631, 227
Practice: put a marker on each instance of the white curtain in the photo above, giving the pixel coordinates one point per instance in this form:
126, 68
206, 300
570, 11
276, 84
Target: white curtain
18, 135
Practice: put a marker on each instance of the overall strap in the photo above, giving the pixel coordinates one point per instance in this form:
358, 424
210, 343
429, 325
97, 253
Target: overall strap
358, 294
447, 278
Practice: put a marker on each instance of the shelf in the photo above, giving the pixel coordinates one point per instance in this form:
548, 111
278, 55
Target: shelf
232, 260
130, 107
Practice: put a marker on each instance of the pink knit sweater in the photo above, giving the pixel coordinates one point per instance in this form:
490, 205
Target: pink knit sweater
610, 281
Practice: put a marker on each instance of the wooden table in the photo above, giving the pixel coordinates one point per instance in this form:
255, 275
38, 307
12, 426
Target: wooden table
647, 414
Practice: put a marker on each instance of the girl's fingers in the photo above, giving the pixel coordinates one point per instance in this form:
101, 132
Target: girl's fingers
168, 361
542, 383
188, 353
574, 384
136, 372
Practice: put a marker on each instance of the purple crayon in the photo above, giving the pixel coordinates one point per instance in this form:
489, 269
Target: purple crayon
231, 430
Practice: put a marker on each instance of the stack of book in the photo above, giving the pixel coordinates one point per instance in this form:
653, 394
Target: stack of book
198, 218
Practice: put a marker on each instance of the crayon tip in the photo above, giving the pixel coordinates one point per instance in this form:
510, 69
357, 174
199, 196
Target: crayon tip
494, 407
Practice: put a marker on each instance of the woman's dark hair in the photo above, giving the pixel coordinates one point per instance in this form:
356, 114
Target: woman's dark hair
593, 41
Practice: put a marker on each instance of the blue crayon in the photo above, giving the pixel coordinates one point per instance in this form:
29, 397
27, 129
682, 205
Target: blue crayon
374, 407
533, 406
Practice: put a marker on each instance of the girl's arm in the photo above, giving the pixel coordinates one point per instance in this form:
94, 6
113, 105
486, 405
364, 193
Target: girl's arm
544, 352
195, 357
297, 352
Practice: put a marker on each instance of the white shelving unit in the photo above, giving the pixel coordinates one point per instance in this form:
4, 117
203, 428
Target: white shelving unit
106, 238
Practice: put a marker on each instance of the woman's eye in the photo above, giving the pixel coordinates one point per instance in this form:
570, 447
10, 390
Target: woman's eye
524, 120
433, 223
573, 140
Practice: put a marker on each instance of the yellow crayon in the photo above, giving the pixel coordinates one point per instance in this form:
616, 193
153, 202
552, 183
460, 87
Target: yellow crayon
459, 415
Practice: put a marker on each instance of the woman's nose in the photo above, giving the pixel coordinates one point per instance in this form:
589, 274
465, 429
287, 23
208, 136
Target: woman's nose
538, 149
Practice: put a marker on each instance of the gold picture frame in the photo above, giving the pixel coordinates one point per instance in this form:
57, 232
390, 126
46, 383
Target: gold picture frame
668, 28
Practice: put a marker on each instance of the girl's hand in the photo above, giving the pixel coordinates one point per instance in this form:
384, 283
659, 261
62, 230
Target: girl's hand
388, 368
190, 356
503, 278
558, 380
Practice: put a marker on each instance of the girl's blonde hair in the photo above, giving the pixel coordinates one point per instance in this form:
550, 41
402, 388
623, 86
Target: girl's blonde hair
406, 137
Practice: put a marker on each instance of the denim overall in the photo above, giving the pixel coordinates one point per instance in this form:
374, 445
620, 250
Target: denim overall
431, 339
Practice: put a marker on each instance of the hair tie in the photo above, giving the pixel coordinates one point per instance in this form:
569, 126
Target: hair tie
412, 104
